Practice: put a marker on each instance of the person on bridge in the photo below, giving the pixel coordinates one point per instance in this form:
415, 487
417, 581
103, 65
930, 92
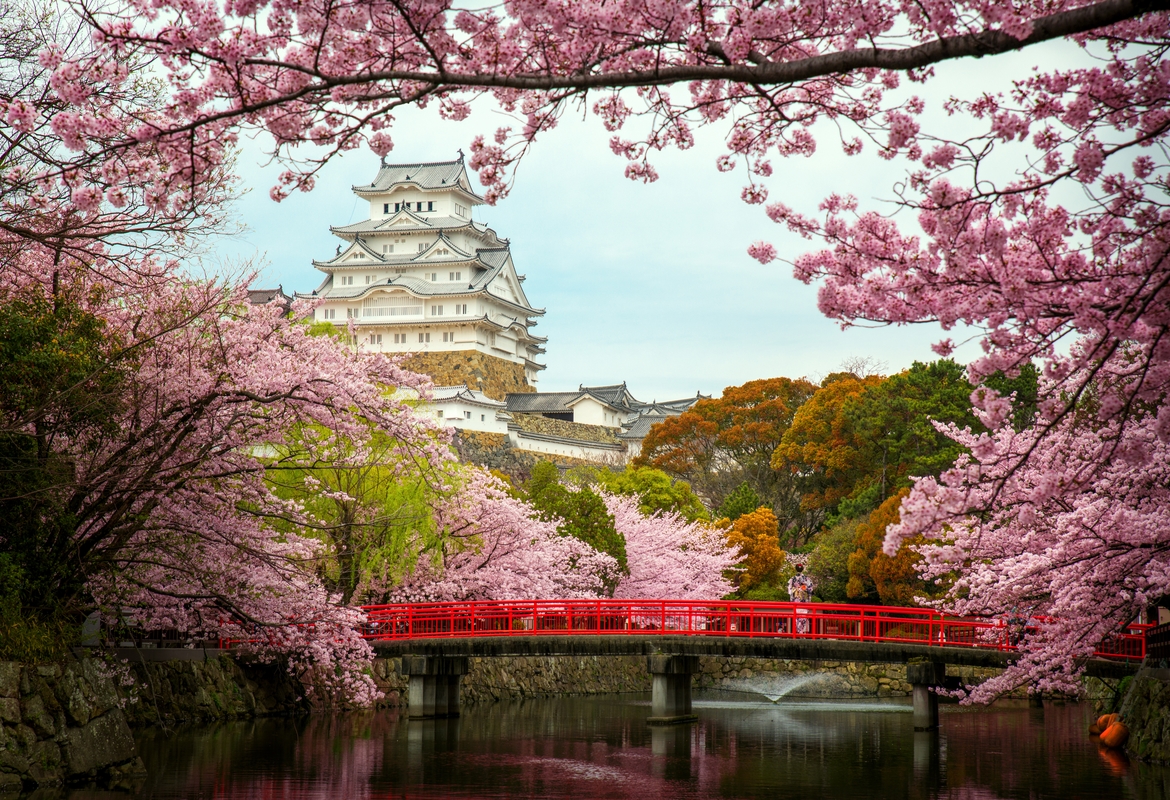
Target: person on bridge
800, 587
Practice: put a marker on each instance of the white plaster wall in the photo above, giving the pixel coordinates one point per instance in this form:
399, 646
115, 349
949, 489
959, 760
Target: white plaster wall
591, 412
467, 416
571, 450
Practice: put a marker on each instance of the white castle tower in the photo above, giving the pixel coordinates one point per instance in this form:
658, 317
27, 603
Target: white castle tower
421, 277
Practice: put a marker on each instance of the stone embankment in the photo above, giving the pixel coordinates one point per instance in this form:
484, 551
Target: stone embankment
214, 688
63, 724
1146, 711
519, 677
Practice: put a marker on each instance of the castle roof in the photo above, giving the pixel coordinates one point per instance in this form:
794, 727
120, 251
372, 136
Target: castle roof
259, 297
447, 394
641, 426
425, 175
393, 223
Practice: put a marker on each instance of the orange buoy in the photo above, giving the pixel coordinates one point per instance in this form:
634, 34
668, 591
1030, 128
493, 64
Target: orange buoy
1115, 735
1094, 729
1105, 720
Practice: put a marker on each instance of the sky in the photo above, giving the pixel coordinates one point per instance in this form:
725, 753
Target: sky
647, 284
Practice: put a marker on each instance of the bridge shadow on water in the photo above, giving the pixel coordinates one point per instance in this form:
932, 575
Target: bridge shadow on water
601, 747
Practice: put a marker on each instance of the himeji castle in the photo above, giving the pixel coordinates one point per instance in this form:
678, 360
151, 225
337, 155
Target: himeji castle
421, 276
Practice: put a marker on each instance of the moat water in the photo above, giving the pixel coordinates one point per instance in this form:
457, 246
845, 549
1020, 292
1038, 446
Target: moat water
601, 747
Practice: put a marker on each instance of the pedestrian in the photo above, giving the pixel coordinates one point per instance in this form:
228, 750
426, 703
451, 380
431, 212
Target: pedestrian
800, 588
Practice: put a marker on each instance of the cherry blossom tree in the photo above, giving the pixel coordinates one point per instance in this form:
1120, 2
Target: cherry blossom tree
144, 473
1062, 263
669, 556
76, 179
496, 547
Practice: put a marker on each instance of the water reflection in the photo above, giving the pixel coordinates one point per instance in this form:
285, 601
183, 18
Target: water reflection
584, 748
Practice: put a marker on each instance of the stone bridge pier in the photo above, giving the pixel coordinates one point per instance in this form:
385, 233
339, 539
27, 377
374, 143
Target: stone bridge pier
670, 697
434, 685
925, 678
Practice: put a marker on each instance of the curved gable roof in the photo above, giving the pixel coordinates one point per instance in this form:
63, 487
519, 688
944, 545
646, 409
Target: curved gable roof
442, 241
425, 175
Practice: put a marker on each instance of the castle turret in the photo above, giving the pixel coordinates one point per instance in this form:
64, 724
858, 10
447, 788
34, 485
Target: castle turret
420, 276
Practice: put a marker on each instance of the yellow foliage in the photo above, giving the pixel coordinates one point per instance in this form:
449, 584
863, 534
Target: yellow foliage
757, 535
894, 579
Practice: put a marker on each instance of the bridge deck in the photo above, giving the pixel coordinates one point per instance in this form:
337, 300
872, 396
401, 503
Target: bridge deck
806, 631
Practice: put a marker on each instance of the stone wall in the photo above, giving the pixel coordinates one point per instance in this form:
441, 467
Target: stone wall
513, 678
491, 450
63, 724
218, 688
1146, 711
493, 376
804, 678
535, 423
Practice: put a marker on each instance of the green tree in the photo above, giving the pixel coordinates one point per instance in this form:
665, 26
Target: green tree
61, 377
372, 508
655, 490
895, 421
743, 500
579, 513
828, 563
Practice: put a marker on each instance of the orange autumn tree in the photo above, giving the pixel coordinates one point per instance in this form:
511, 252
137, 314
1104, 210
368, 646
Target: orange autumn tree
721, 444
822, 449
757, 535
873, 575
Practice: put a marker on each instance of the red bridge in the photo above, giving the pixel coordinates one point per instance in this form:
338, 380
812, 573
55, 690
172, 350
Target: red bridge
405, 622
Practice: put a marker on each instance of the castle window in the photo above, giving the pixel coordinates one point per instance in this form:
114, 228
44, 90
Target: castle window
454, 276
449, 337
385, 208
436, 311
460, 210
387, 248
439, 413
396, 207
347, 280
430, 205
420, 205
381, 305
460, 308
330, 313
467, 415
369, 278
434, 276
422, 246
351, 313
482, 417
424, 338
400, 338
375, 338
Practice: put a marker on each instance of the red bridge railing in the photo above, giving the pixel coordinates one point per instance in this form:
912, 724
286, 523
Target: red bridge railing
860, 623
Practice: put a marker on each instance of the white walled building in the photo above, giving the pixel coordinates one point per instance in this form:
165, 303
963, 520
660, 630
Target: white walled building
467, 409
421, 276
